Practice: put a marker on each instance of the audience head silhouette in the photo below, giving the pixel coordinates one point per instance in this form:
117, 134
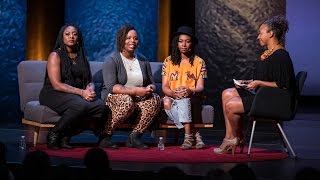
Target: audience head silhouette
96, 161
36, 165
171, 172
217, 174
242, 171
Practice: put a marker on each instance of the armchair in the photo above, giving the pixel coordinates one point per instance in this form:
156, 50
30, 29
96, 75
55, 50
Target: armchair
275, 105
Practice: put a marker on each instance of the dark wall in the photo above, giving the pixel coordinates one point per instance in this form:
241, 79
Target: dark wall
99, 21
12, 51
182, 14
227, 32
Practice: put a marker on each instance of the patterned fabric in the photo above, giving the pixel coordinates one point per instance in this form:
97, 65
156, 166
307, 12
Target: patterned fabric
185, 74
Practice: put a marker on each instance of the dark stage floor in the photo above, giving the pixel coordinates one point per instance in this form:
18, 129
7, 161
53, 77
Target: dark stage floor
303, 134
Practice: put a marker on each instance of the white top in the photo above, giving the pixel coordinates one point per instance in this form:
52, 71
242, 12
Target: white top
134, 74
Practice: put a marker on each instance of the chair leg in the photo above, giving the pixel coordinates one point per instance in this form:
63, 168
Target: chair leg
251, 136
246, 134
280, 135
36, 132
286, 140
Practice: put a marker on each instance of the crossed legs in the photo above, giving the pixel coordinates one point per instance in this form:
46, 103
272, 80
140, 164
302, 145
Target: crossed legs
232, 109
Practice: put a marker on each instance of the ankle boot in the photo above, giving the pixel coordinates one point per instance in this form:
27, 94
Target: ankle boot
105, 142
65, 143
53, 140
134, 141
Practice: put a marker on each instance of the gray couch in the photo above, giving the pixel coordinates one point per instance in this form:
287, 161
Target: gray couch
31, 76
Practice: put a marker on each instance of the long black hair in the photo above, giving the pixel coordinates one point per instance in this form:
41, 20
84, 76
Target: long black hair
175, 52
59, 45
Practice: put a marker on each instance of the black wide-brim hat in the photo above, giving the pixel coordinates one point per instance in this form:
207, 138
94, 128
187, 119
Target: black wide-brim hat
185, 30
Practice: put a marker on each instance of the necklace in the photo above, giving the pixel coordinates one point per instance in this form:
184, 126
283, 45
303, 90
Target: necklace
129, 64
267, 53
74, 62
73, 58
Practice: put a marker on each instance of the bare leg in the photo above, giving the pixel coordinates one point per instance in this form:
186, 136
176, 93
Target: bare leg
234, 109
167, 102
226, 96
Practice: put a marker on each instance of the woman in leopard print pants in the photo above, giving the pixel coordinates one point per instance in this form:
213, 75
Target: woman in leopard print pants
128, 89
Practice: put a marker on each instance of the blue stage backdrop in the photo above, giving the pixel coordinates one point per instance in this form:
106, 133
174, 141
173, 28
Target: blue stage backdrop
99, 21
12, 51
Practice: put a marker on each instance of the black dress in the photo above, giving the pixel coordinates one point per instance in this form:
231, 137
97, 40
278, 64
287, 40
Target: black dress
71, 107
277, 68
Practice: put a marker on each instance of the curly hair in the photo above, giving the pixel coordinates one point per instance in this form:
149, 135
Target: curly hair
279, 26
175, 52
87, 77
122, 35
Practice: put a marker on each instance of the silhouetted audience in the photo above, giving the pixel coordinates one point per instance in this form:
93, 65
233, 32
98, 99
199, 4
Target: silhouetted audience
97, 165
307, 173
217, 174
171, 172
36, 165
5, 173
242, 171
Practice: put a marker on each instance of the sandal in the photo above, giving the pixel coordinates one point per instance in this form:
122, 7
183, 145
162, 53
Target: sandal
199, 143
188, 141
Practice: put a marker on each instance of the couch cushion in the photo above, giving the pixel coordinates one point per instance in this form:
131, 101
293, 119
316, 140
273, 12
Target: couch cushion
39, 113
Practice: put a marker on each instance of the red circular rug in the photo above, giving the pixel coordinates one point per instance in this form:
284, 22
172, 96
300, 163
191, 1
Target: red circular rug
171, 154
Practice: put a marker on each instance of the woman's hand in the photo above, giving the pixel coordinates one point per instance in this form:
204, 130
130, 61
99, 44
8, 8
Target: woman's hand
182, 92
253, 85
144, 91
88, 94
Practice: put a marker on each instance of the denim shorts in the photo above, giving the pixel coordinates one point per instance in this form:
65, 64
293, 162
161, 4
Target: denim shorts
180, 111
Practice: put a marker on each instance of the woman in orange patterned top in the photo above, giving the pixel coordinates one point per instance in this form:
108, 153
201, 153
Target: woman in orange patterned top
183, 78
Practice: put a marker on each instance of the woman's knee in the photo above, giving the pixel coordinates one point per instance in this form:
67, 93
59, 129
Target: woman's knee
121, 101
167, 102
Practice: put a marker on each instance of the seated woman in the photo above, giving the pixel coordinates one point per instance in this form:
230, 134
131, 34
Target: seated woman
128, 87
275, 69
183, 78
67, 90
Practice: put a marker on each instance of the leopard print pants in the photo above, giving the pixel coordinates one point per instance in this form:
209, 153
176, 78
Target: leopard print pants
122, 106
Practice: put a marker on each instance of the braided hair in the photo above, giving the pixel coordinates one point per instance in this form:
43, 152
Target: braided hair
59, 45
175, 52
279, 26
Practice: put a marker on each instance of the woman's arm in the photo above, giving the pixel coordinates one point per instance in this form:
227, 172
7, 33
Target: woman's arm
257, 83
53, 68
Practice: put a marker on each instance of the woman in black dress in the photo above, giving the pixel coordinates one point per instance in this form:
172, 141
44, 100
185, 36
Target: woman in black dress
275, 69
67, 89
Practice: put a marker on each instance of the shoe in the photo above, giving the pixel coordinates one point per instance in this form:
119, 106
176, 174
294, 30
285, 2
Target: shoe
242, 142
199, 143
105, 142
187, 142
134, 141
227, 146
64, 144
53, 140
